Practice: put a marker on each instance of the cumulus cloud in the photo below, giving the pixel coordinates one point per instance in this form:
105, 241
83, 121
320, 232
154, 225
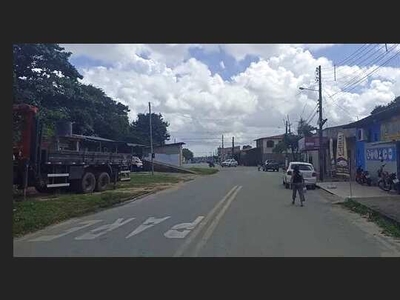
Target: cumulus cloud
201, 106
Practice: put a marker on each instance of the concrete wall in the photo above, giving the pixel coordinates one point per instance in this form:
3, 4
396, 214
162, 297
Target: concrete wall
173, 159
170, 154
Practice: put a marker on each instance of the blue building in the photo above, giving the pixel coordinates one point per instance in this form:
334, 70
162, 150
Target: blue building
378, 137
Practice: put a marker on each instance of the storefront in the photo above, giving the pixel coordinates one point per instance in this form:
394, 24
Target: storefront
387, 151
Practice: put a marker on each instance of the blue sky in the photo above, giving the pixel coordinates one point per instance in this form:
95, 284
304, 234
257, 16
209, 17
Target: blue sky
252, 105
336, 53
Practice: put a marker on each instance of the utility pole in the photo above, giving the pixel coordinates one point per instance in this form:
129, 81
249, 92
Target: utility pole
286, 154
151, 142
222, 150
320, 123
233, 146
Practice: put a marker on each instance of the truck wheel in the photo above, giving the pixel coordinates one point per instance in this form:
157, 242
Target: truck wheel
88, 183
102, 182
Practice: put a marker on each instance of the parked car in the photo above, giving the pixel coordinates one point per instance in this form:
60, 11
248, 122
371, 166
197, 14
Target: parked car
271, 165
137, 164
229, 163
306, 169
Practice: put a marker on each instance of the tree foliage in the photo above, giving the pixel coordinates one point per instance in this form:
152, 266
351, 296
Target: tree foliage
140, 129
187, 154
44, 77
304, 129
380, 108
290, 143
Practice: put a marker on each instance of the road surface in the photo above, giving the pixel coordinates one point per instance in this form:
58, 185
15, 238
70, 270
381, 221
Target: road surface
236, 212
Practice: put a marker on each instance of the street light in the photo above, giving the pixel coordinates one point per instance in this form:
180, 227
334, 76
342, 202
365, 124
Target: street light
320, 123
307, 89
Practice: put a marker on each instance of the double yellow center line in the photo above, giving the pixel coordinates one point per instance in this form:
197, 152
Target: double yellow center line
212, 220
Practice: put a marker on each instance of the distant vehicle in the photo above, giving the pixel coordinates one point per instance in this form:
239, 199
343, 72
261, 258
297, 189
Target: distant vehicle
271, 165
306, 169
137, 164
229, 163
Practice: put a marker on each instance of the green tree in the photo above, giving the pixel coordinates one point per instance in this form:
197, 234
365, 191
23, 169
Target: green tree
44, 77
140, 129
380, 108
290, 142
304, 129
187, 154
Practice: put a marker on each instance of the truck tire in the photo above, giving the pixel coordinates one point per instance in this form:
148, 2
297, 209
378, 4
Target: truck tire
102, 182
87, 183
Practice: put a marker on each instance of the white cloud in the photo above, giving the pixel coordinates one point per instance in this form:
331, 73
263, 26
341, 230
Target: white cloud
201, 106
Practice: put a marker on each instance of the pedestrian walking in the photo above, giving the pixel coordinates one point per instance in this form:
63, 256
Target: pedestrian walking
297, 182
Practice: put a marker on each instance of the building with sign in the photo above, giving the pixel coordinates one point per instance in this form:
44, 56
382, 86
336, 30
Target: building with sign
330, 135
308, 147
267, 145
378, 137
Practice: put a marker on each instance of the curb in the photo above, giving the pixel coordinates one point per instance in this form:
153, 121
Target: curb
377, 211
343, 200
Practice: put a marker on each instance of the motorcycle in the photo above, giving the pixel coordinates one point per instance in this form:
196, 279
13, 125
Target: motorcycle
363, 177
388, 181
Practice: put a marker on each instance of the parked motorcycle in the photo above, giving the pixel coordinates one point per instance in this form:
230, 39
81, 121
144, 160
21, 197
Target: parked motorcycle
363, 177
387, 181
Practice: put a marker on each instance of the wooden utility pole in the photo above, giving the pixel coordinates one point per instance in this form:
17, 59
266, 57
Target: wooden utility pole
151, 142
320, 123
233, 146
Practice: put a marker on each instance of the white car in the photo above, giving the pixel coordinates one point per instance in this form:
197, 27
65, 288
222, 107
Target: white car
137, 164
229, 163
306, 169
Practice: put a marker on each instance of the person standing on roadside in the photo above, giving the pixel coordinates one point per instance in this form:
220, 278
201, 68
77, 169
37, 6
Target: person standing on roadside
297, 183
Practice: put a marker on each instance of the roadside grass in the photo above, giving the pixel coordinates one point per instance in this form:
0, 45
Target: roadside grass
389, 226
38, 212
204, 171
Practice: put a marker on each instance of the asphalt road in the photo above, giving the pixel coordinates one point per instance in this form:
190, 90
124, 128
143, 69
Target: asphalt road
236, 212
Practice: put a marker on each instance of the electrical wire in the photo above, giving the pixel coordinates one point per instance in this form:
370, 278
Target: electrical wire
366, 76
361, 73
352, 55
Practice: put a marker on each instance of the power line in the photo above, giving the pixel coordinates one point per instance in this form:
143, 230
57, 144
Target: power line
352, 55
366, 76
376, 61
311, 113
357, 80
361, 73
364, 59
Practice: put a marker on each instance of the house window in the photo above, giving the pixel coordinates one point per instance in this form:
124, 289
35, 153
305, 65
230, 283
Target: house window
359, 134
375, 137
270, 144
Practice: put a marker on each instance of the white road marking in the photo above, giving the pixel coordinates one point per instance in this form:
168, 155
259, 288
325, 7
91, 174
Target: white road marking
150, 222
91, 235
182, 249
47, 238
174, 232
214, 223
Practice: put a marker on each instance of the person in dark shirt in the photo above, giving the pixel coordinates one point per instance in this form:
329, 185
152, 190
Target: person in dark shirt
297, 182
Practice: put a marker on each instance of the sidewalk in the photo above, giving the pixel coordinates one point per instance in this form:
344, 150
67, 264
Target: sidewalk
374, 198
